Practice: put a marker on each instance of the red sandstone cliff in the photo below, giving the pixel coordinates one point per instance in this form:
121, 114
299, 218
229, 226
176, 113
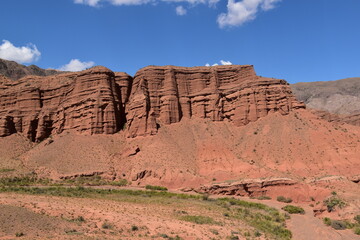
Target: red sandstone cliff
97, 101
165, 95
90, 102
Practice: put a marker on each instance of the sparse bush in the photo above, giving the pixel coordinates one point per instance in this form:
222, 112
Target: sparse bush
232, 237
263, 198
134, 228
158, 188
80, 219
19, 234
107, 225
293, 209
357, 231
327, 221
205, 196
121, 182
257, 233
333, 202
283, 199
338, 225
357, 218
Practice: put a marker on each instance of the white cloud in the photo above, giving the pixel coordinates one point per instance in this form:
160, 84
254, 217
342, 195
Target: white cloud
91, 3
225, 62
25, 54
222, 62
243, 11
180, 10
237, 14
95, 3
76, 65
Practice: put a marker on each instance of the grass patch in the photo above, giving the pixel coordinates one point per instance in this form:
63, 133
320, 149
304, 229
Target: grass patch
283, 199
267, 220
263, 198
5, 170
293, 209
156, 188
198, 219
262, 217
33, 180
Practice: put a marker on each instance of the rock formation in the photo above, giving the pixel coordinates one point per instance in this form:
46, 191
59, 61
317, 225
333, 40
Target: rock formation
99, 101
14, 71
165, 95
88, 102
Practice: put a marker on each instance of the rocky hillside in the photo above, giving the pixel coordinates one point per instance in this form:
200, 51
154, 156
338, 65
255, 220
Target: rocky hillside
14, 71
339, 97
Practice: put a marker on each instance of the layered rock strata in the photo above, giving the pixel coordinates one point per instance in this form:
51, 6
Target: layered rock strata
165, 95
249, 187
97, 101
89, 102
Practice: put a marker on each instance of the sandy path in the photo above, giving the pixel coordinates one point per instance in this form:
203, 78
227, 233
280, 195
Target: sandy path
308, 227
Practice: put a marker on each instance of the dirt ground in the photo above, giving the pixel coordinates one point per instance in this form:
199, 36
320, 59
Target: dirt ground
25, 216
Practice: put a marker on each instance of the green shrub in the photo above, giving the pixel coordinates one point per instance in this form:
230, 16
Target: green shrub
283, 199
121, 182
357, 231
5, 170
107, 225
198, 219
158, 188
257, 233
327, 221
333, 202
338, 225
19, 234
293, 209
357, 218
134, 228
263, 198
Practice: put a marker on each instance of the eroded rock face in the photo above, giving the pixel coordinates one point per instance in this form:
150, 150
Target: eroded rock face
165, 95
247, 187
97, 101
88, 102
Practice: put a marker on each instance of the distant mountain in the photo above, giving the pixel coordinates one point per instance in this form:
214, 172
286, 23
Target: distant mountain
339, 97
15, 71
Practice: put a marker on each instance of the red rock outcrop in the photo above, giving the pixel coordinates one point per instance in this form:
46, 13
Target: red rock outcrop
88, 102
165, 95
247, 187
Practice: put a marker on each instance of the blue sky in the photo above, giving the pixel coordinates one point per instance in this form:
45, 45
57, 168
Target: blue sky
296, 40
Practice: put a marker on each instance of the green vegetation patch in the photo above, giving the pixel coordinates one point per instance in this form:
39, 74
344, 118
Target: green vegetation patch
334, 202
156, 188
5, 170
267, 220
198, 219
283, 199
262, 217
293, 209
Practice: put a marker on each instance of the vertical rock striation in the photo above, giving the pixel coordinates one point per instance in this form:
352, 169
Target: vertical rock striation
165, 95
88, 102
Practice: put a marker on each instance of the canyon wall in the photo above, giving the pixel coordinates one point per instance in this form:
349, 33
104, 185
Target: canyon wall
89, 102
99, 101
165, 95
